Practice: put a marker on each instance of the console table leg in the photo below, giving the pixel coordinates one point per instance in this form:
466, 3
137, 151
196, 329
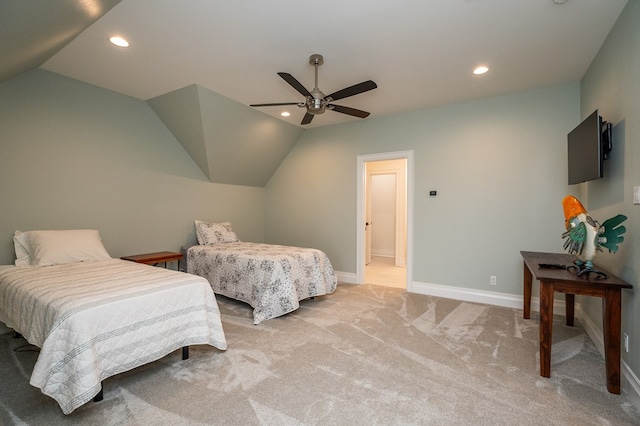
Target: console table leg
611, 323
546, 327
569, 306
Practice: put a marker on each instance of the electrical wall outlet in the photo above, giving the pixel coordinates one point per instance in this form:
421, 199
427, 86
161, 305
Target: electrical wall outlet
493, 280
625, 341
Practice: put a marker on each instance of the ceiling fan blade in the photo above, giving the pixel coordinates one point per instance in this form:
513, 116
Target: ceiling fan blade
294, 83
356, 89
349, 111
307, 118
276, 104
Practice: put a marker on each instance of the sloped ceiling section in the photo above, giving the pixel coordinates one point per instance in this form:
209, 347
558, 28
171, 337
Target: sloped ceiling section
33, 31
180, 112
230, 142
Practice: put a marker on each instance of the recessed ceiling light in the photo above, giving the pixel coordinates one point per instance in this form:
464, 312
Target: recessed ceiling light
119, 41
480, 70
559, 1
285, 113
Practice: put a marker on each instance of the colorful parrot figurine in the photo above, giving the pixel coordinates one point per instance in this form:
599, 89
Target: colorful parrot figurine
585, 237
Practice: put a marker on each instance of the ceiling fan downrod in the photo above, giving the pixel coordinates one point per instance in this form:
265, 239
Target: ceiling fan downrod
316, 103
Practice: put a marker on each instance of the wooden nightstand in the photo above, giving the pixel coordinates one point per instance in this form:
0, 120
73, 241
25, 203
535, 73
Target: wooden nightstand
154, 258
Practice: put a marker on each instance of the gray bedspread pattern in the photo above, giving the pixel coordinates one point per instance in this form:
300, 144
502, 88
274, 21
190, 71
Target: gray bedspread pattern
96, 319
270, 278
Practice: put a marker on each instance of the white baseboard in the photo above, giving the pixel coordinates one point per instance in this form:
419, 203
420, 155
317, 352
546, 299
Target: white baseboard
468, 295
383, 253
630, 383
505, 300
346, 277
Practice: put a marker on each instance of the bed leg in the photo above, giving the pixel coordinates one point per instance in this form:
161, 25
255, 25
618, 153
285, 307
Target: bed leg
185, 352
100, 394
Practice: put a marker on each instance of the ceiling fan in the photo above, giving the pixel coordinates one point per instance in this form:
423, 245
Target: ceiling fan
316, 102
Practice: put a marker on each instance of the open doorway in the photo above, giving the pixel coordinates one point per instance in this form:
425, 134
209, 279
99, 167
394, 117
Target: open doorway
384, 223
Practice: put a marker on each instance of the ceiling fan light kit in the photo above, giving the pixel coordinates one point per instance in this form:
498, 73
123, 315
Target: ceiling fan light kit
316, 102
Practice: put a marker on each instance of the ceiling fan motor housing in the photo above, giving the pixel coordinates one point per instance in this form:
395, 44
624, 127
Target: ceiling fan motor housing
316, 104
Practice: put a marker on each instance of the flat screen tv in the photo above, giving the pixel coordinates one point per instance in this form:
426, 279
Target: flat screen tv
588, 146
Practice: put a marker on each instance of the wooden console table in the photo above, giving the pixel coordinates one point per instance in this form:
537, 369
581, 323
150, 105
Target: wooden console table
564, 281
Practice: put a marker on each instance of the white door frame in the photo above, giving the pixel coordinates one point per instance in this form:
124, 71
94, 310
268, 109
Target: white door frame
360, 211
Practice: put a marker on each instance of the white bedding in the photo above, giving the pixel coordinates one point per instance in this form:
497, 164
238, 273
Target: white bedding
270, 278
93, 320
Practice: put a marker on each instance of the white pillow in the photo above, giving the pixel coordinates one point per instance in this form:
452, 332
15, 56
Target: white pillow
198, 236
23, 258
215, 233
57, 247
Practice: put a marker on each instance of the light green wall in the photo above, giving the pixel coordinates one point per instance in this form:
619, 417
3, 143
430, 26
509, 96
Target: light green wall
499, 166
73, 155
612, 84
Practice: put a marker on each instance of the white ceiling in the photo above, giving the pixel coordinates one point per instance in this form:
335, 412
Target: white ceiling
419, 52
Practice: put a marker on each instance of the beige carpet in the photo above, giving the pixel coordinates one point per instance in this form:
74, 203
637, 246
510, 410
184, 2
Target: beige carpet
365, 355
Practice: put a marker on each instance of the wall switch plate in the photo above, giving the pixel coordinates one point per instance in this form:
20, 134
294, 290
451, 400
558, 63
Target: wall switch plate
636, 195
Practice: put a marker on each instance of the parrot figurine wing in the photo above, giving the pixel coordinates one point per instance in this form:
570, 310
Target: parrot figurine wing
576, 236
611, 234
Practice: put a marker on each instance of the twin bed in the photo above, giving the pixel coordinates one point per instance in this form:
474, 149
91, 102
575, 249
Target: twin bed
272, 279
93, 316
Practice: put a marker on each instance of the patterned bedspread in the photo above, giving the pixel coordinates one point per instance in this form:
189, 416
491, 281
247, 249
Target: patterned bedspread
93, 320
270, 278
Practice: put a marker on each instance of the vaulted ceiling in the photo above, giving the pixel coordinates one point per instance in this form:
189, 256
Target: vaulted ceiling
420, 53
200, 63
